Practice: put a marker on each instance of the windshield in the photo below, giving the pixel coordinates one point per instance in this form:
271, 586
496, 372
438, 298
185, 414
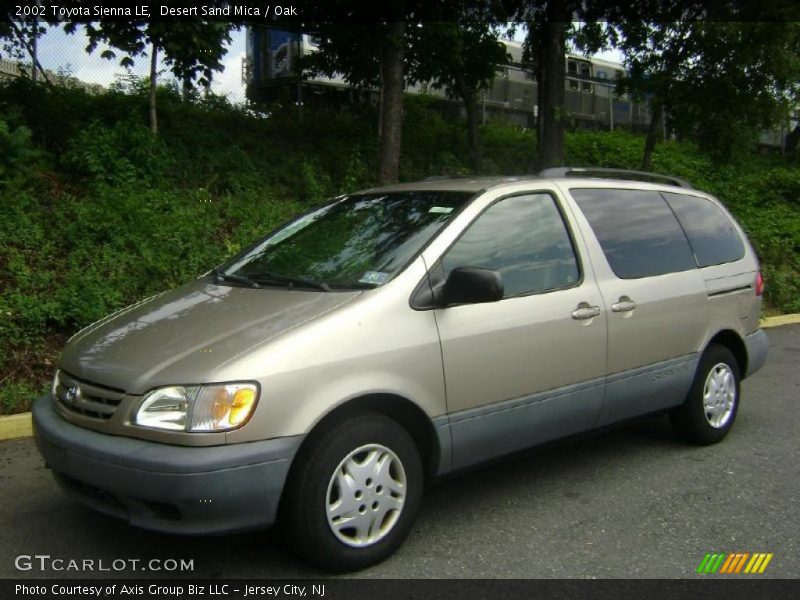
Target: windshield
357, 242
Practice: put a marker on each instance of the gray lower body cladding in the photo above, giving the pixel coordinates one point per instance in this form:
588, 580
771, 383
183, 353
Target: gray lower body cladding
488, 432
757, 345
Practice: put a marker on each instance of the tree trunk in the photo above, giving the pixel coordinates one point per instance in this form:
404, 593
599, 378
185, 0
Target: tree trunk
33, 54
551, 111
535, 42
153, 83
653, 133
473, 134
391, 109
470, 98
539, 101
35, 49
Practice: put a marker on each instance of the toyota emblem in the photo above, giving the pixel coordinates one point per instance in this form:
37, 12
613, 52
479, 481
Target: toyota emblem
72, 394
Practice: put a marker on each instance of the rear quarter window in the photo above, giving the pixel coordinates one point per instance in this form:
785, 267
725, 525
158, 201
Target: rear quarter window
712, 235
637, 230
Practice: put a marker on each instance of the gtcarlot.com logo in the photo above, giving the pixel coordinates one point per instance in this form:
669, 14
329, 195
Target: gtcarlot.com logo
734, 563
45, 562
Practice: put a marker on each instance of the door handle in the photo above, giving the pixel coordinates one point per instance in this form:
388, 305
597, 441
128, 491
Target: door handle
584, 311
624, 304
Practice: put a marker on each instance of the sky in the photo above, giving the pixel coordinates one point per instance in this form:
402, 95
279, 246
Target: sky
59, 51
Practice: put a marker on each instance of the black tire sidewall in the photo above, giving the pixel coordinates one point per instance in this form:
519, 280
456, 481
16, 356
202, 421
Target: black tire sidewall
690, 417
306, 499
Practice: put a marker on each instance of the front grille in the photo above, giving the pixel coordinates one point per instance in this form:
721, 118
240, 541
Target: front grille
86, 398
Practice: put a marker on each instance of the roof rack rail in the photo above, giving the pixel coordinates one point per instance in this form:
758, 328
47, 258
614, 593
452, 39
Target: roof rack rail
618, 173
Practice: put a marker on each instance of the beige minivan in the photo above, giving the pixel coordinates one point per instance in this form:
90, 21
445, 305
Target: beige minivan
319, 378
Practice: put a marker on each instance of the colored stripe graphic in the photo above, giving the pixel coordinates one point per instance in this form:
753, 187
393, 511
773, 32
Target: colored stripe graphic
727, 564
735, 559
703, 564
758, 563
723, 563
711, 562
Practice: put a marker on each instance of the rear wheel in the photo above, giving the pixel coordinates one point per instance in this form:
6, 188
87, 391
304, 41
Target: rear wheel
713, 400
353, 493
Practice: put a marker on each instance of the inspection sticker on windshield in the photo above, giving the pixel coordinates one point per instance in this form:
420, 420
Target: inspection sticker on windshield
442, 210
374, 277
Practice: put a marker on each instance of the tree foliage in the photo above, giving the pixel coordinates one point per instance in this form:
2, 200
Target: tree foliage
718, 82
192, 49
462, 59
370, 55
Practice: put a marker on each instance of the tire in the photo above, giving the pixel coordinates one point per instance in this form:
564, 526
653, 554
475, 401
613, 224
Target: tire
373, 501
710, 408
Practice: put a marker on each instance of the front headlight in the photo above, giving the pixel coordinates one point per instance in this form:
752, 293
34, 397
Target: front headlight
216, 407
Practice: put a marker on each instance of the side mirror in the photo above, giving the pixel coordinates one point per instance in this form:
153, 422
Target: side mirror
471, 285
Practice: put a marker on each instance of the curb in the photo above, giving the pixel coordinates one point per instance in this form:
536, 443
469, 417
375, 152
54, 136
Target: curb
768, 322
17, 426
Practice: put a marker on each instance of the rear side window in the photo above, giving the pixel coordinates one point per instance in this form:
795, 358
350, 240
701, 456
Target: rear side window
711, 233
525, 239
638, 232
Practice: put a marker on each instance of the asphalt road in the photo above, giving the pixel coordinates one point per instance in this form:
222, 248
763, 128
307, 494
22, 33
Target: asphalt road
636, 502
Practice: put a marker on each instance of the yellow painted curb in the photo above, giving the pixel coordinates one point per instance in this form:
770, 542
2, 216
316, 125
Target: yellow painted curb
780, 320
15, 426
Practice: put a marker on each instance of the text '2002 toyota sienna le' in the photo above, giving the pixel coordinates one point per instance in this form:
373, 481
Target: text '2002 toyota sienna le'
321, 376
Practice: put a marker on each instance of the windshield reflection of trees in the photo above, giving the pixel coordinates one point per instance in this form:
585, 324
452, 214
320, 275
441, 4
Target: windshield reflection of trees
367, 233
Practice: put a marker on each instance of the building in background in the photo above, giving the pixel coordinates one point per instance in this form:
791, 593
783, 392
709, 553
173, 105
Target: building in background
12, 69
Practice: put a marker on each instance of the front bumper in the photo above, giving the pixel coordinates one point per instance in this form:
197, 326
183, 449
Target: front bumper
175, 489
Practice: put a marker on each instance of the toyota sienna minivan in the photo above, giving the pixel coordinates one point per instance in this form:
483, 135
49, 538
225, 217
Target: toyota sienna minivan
321, 377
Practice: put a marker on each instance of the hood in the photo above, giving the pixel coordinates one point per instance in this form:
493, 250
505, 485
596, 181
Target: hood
181, 336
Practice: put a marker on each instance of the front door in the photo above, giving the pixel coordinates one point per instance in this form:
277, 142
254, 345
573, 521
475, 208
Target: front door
528, 368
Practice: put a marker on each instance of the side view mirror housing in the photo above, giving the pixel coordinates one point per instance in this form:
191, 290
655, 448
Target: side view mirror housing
470, 285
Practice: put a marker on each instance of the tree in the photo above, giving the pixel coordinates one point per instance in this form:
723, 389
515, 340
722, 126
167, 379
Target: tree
656, 56
192, 50
392, 86
19, 40
720, 82
549, 24
745, 81
411, 44
368, 55
462, 58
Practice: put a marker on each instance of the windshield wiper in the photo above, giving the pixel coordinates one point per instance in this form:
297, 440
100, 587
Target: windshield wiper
292, 281
220, 276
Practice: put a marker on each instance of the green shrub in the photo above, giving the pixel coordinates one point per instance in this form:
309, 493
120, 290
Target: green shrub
18, 152
17, 395
123, 154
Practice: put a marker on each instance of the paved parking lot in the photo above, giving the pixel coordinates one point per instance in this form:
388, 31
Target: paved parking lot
636, 502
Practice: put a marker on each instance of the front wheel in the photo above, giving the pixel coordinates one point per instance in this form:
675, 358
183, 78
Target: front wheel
710, 408
353, 493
